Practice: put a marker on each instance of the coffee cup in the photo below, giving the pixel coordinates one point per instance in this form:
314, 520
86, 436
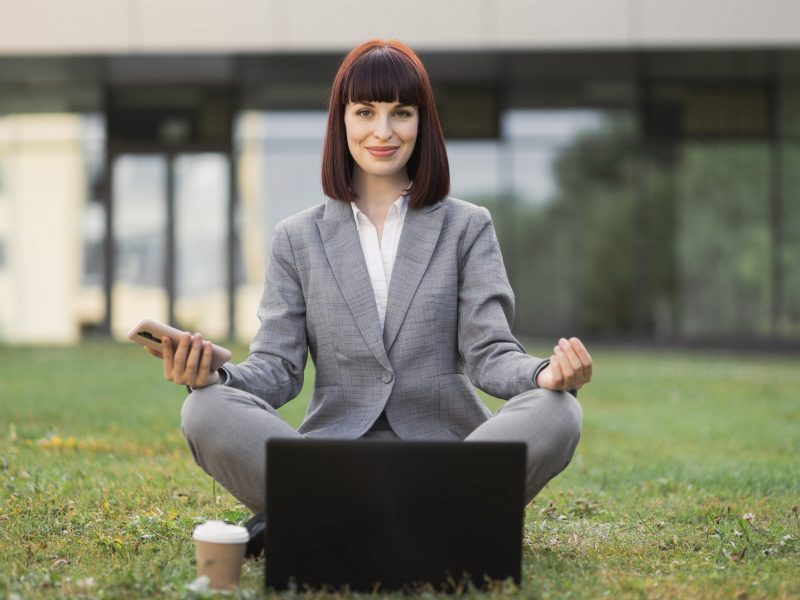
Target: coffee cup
219, 549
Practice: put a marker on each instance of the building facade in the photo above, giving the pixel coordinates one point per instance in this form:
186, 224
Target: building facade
641, 159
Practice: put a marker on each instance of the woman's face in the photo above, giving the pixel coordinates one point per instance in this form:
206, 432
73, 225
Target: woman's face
381, 136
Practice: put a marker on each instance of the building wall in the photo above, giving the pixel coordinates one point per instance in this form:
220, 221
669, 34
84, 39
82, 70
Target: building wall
148, 26
42, 198
687, 124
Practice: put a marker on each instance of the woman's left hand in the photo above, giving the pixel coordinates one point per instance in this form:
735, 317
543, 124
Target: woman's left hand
570, 367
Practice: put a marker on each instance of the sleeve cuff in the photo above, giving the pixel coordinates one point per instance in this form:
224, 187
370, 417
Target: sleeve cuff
223, 379
542, 366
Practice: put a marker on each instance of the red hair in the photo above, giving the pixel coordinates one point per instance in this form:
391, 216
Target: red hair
386, 71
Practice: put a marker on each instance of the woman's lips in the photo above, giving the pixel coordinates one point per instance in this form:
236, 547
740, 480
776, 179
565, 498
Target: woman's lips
382, 151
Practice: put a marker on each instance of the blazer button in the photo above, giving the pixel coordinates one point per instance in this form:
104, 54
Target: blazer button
387, 377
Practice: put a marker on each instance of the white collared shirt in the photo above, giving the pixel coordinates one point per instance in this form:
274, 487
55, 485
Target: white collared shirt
380, 254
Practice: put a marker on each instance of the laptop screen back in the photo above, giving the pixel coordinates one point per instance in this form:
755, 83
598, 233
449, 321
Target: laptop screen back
384, 515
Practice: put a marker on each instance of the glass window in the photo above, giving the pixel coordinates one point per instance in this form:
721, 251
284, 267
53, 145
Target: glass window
475, 170
291, 163
704, 110
91, 299
788, 321
94, 231
722, 241
279, 161
571, 190
201, 250
140, 234
789, 107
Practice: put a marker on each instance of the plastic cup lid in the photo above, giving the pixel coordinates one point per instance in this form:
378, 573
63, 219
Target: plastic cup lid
219, 532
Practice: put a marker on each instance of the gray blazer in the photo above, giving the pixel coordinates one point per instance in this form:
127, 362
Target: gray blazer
447, 326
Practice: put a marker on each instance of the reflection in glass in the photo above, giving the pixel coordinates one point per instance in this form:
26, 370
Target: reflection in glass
475, 170
573, 219
91, 306
94, 215
291, 163
140, 257
558, 126
789, 107
722, 244
788, 321
279, 158
201, 200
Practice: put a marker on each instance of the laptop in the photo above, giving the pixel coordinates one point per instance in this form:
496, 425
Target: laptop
374, 515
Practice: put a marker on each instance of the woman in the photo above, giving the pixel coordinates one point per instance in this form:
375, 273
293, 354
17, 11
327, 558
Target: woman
401, 297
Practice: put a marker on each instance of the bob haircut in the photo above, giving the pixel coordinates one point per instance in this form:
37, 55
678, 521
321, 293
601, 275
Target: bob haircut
386, 71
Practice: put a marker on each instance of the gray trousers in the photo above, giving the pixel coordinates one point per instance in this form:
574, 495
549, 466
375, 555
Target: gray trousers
227, 428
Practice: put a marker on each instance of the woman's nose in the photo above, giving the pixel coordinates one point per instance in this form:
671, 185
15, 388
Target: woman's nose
383, 128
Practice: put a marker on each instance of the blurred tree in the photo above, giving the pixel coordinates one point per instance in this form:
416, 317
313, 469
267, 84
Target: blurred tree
580, 254
723, 241
789, 318
670, 240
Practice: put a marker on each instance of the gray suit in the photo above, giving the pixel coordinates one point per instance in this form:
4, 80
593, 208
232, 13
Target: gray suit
447, 327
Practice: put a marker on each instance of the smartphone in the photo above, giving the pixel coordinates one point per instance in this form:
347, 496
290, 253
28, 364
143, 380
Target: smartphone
150, 333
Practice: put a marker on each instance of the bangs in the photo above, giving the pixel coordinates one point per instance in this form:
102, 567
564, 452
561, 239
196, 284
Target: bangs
385, 71
384, 75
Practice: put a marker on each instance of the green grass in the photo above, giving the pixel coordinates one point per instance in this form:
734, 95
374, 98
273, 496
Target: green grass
99, 495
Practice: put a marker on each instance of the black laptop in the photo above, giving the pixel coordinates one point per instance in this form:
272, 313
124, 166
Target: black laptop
373, 515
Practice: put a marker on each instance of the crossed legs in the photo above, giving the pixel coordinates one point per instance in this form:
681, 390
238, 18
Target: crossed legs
227, 428
548, 422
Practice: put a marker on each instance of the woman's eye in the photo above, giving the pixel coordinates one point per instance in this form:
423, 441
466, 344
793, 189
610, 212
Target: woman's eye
403, 114
363, 112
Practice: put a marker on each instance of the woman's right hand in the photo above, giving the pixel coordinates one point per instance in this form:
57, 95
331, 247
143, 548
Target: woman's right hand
189, 363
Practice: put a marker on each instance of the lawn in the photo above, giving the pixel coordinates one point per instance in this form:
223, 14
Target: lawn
686, 482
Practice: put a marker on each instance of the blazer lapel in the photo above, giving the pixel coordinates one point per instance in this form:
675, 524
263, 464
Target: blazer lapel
346, 258
421, 231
